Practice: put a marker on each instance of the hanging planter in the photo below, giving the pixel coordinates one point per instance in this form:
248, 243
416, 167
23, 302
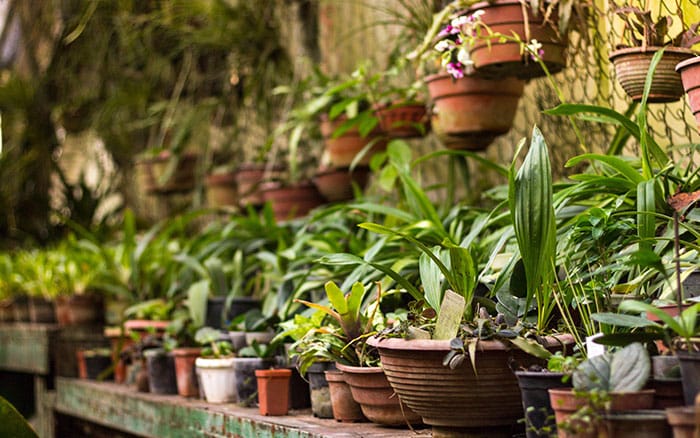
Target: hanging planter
631, 67
501, 59
342, 149
403, 120
293, 201
690, 77
221, 190
470, 112
165, 176
336, 184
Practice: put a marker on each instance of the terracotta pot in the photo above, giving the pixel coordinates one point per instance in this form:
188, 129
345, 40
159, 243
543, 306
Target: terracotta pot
343, 149
273, 391
534, 389
221, 190
7, 312
469, 113
248, 179
371, 389
668, 392
181, 180
496, 59
41, 310
185, 371
336, 184
320, 394
690, 76
690, 375
289, 202
79, 310
635, 424
565, 402
404, 120
684, 420
459, 400
345, 408
632, 65
142, 327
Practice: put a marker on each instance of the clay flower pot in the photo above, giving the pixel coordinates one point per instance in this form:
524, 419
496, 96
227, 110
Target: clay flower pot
635, 424
371, 389
684, 420
404, 120
249, 179
345, 408
497, 59
690, 76
182, 179
343, 149
79, 310
632, 65
469, 113
221, 190
185, 371
273, 391
289, 202
336, 184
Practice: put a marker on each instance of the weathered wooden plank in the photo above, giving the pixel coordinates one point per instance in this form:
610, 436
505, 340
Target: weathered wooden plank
122, 408
26, 347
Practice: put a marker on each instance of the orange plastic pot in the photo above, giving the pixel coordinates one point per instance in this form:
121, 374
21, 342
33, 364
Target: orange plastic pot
273, 391
185, 371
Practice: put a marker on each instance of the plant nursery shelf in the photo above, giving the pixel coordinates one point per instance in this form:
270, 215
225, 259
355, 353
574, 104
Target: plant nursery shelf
122, 408
26, 348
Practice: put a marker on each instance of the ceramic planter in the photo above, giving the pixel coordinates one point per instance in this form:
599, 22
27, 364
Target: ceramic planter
217, 379
336, 184
320, 394
565, 402
237, 339
469, 113
684, 420
345, 408
632, 65
221, 190
289, 202
534, 390
79, 310
690, 374
161, 372
496, 59
371, 389
342, 150
459, 400
690, 76
246, 384
185, 371
41, 310
273, 391
404, 120
263, 337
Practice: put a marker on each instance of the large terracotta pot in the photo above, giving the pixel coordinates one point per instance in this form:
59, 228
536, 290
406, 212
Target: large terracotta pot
635, 424
404, 120
690, 76
336, 184
469, 113
185, 371
371, 389
565, 402
343, 149
289, 202
456, 400
505, 59
345, 408
631, 67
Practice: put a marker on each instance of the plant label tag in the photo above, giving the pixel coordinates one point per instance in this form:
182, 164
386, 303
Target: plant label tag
592, 348
451, 311
418, 333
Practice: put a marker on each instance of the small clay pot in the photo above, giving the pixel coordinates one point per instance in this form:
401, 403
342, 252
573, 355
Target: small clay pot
273, 391
345, 408
185, 371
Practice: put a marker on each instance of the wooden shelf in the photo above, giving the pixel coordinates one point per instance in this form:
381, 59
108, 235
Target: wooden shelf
122, 408
26, 348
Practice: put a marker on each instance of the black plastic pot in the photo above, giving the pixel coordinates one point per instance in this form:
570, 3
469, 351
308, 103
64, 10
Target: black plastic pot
246, 382
299, 393
690, 373
96, 365
161, 371
216, 305
534, 391
320, 394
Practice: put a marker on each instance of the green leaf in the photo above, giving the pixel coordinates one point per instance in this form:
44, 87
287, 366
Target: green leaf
629, 368
336, 297
622, 320
13, 424
197, 295
646, 209
531, 347
640, 307
616, 163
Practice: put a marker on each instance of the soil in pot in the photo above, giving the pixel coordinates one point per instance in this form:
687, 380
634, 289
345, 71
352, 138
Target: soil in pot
318, 385
690, 375
246, 382
185, 371
41, 310
161, 371
534, 391
371, 389
273, 391
217, 379
345, 408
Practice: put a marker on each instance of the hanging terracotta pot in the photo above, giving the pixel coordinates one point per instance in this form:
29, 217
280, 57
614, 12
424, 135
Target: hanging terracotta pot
469, 113
289, 202
632, 65
343, 149
404, 119
249, 180
336, 184
690, 76
181, 179
496, 59
221, 190
273, 391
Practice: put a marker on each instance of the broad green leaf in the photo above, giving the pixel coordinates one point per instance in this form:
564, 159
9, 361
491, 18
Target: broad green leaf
646, 208
336, 297
531, 347
639, 307
629, 368
197, 295
616, 163
622, 320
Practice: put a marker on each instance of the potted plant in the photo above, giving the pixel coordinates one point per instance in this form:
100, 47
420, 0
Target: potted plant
645, 37
273, 390
215, 367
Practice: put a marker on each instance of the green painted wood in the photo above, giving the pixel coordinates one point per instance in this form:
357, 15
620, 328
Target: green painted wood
121, 407
26, 347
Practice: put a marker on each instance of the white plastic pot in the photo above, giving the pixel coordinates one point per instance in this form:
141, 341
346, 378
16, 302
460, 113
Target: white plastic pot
217, 379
